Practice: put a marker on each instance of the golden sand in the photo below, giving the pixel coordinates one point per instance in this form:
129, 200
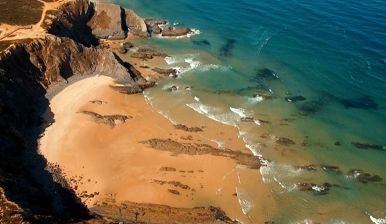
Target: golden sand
105, 163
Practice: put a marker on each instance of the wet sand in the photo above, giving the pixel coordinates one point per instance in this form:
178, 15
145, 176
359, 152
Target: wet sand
139, 158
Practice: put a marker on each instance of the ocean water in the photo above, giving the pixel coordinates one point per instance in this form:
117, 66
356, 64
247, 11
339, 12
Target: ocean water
310, 71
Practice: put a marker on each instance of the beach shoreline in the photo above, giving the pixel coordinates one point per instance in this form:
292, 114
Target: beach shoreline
92, 154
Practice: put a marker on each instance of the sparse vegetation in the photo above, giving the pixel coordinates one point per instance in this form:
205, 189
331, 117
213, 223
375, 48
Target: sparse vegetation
20, 12
50, 14
6, 43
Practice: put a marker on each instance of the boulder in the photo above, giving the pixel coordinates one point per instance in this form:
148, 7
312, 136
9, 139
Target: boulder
161, 71
170, 31
135, 24
153, 22
156, 29
106, 22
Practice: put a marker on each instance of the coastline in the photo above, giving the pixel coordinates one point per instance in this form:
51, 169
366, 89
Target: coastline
93, 155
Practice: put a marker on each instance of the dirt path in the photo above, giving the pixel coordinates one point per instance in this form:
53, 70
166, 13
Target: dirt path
30, 31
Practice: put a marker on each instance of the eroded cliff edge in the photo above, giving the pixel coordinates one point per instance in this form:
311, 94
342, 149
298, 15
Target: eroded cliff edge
30, 190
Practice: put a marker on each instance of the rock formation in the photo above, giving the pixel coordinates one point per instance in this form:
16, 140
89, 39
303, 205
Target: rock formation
107, 22
31, 192
135, 24
170, 31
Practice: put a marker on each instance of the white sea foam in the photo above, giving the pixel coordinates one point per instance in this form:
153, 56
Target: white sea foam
246, 206
168, 86
214, 113
150, 101
180, 58
318, 188
193, 64
256, 99
377, 220
305, 221
193, 32
281, 174
239, 111
197, 99
338, 221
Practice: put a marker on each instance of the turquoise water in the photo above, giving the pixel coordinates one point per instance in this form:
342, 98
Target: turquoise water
332, 53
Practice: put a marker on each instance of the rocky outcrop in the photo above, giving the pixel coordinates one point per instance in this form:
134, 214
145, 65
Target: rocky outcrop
154, 24
110, 120
106, 22
170, 31
26, 72
86, 22
72, 22
135, 24
177, 148
130, 212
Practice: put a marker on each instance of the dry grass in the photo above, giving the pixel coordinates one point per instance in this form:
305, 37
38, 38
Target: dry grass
6, 43
20, 12
50, 14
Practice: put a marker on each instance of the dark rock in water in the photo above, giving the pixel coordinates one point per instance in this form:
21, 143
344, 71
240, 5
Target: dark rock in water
156, 29
143, 56
364, 177
226, 49
152, 52
266, 74
170, 31
334, 169
152, 22
310, 107
201, 42
247, 119
317, 189
311, 167
366, 146
145, 53
154, 25
366, 103
337, 143
295, 99
161, 71
265, 94
173, 88
127, 45
285, 141
122, 50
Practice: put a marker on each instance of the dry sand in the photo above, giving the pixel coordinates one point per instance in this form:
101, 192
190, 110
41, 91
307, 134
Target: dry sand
110, 164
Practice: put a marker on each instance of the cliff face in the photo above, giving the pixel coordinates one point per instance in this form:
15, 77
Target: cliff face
28, 192
72, 22
23, 174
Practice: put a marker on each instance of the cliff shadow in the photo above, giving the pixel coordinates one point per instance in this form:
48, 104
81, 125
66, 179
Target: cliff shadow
72, 23
24, 174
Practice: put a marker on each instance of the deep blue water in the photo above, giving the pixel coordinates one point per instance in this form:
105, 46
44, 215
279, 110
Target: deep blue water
332, 53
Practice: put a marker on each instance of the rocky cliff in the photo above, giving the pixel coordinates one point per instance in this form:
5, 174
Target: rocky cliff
26, 71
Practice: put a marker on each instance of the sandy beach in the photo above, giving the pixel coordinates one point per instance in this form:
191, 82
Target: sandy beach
143, 159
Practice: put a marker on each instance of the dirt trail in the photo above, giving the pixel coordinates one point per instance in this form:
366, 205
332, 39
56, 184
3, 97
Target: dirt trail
31, 31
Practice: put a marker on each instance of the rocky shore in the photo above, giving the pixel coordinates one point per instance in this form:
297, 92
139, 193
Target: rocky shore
32, 72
